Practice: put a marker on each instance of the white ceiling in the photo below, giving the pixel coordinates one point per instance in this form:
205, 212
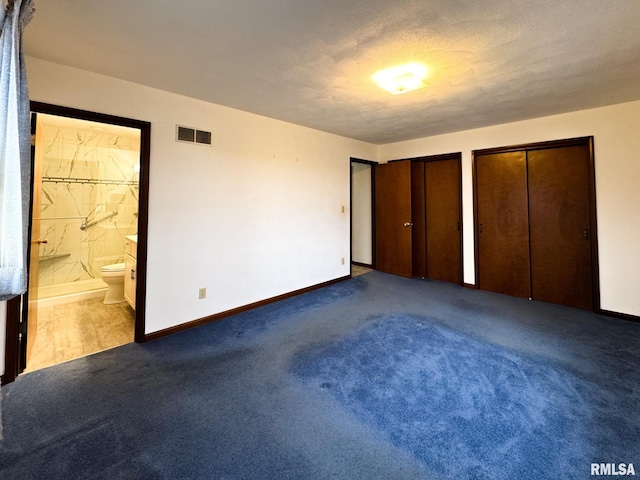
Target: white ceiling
309, 62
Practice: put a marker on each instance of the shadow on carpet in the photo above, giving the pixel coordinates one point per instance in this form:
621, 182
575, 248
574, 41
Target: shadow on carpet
470, 409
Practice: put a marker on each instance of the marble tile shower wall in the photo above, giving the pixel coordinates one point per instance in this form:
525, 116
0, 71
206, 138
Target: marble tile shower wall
78, 166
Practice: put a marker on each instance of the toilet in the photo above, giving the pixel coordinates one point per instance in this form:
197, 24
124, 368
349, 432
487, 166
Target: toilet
113, 276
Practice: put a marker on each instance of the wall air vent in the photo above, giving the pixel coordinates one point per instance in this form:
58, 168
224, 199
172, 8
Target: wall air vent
192, 135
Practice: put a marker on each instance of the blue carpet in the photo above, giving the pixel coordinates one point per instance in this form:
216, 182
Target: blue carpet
377, 377
468, 408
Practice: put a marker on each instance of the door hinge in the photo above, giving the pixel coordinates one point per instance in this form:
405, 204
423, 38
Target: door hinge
33, 140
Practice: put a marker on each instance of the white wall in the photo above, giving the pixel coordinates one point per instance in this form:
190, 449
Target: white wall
616, 131
255, 216
361, 213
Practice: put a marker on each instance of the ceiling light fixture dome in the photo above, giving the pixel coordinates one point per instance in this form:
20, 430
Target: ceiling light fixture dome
402, 79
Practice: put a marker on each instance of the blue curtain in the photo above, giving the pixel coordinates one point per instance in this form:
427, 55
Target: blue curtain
15, 156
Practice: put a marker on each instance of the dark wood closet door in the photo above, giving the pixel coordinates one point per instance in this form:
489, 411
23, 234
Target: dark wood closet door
393, 218
561, 270
443, 211
418, 212
502, 234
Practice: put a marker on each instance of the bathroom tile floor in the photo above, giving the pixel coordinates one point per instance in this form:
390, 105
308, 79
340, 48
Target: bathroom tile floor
73, 330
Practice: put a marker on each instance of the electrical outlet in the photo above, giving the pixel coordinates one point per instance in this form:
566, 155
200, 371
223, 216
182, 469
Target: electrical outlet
342, 261
202, 293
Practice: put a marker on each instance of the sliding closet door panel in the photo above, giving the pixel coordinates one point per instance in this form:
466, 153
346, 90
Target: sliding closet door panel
393, 218
560, 226
419, 248
443, 210
503, 223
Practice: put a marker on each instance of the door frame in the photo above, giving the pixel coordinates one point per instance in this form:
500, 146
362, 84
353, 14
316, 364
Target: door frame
372, 164
570, 142
16, 324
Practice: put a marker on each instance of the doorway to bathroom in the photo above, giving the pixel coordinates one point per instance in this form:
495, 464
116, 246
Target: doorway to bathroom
88, 231
362, 216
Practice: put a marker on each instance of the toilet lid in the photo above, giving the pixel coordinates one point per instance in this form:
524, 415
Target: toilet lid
116, 267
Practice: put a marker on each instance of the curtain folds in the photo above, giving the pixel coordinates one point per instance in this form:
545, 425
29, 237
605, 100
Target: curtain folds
15, 151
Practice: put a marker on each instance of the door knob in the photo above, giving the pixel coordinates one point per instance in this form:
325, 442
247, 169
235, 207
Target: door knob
407, 224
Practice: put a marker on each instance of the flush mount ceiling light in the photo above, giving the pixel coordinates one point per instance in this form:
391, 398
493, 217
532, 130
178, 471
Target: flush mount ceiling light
401, 79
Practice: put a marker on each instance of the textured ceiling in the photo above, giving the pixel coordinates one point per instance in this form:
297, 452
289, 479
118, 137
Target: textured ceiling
309, 62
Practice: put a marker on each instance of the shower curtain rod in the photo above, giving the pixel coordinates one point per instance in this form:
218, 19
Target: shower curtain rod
64, 218
92, 181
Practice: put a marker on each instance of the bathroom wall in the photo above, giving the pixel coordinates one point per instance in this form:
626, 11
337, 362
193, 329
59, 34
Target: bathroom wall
89, 172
